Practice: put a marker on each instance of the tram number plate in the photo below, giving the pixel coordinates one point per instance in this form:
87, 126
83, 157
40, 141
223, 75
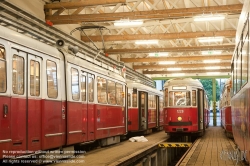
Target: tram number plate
180, 111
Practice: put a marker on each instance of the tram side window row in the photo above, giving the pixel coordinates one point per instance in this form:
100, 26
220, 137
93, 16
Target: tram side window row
3, 78
109, 92
18, 75
240, 60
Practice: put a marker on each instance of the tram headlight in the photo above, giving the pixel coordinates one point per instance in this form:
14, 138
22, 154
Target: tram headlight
179, 118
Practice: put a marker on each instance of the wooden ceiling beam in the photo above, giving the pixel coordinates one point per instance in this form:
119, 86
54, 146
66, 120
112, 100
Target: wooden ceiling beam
169, 49
160, 36
193, 65
186, 71
135, 15
75, 5
182, 58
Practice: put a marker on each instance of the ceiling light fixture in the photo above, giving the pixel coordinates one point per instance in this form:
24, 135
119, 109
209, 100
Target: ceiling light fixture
178, 74
211, 52
209, 18
156, 54
210, 39
127, 22
166, 62
212, 68
147, 42
211, 61
213, 73
174, 69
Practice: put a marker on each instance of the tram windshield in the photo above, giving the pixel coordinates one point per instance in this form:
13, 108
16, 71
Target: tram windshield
179, 98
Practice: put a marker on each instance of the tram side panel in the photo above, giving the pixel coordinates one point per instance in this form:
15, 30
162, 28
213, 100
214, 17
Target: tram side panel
241, 83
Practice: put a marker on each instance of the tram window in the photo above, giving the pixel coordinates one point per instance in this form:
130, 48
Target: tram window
238, 71
188, 98
34, 78
18, 75
83, 87
134, 100
233, 76
245, 50
193, 97
234, 73
75, 84
154, 101
150, 101
180, 98
3, 78
161, 104
129, 100
101, 90
166, 97
91, 89
52, 79
111, 92
119, 94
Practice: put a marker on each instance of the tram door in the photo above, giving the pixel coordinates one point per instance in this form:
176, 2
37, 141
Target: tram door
201, 110
34, 102
90, 108
143, 110
26, 101
18, 100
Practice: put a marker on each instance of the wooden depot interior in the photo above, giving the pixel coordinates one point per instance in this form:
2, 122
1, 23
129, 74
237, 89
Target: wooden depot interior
170, 23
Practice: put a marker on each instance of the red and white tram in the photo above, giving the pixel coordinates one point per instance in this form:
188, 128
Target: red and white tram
145, 108
225, 108
184, 107
51, 98
240, 100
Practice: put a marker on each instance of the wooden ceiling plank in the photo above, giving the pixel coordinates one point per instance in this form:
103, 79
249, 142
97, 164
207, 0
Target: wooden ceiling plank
186, 71
162, 36
153, 14
73, 5
158, 66
182, 58
169, 49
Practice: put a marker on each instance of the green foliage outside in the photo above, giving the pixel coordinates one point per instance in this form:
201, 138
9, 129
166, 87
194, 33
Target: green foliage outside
208, 86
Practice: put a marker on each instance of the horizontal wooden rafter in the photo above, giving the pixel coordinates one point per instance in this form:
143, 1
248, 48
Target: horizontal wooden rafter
75, 5
169, 49
135, 15
182, 58
161, 36
226, 64
186, 71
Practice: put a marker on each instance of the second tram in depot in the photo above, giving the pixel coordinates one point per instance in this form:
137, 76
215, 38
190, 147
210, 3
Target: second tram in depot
145, 108
240, 96
186, 108
225, 109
